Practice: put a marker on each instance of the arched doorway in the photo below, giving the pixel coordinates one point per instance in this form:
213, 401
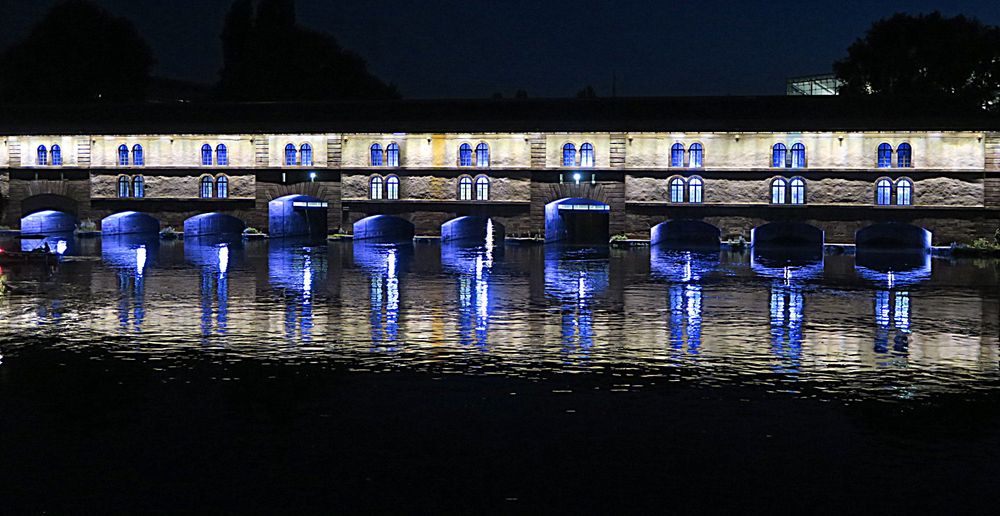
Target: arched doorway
297, 215
685, 234
577, 221
211, 224
129, 222
383, 228
472, 230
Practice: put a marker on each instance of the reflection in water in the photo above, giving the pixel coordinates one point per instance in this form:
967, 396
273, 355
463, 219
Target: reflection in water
297, 269
214, 292
473, 266
786, 326
574, 276
129, 255
685, 269
383, 264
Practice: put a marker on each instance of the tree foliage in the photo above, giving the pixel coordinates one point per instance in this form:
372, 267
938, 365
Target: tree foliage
77, 53
267, 56
925, 56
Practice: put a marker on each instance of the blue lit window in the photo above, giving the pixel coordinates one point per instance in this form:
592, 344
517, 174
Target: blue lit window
123, 190
904, 156
778, 155
569, 155
465, 155
221, 155
206, 188
392, 155
465, 188
677, 155
884, 155
883, 192
290, 158
798, 156
904, 192
798, 190
695, 189
376, 155
222, 187
206, 155
778, 187
137, 158
697, 153
122, 155
43, 155
482, 155
306, 155
138, 187
587, 155
375, 188
56, 156
392, 188
677, 189
482, 188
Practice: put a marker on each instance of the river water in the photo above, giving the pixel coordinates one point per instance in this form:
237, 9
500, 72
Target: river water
892, 332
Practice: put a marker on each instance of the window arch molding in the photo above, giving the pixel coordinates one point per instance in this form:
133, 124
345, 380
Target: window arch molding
482, 155
696, 155
904, 190
884, 191
123, 155
42, 155
291, 155
392, 155
588, 156
206, 187
676, 189
206, 155
465, 155
138, 186
568, 158
221, 186
124, 186
677, 153
375, 187
392, 185
138, 156
465, 188
482, 185
376, 155
797, 155
222, 155
797, 190
55, 155
306, 154
904, 155
695, 190
883, 155
779, 190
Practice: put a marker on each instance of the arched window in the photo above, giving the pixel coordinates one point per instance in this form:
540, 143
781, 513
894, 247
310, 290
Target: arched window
221, 155
375, 188
778, 155
306, 155
43, 155
392, 188
465, 155
123, 190
904, 192
569, 155
798, 156
778, 187
206, 155
798, 190
290, 155
206, 188
122, 155
883, 192
56, 156
884, 155
138, 187
376, 155
465, 188
587, 155
392, 155
696, 187
482, 155
482, 188
137, 157
696, 155
904, 155
677, 189
677, 155
222, 187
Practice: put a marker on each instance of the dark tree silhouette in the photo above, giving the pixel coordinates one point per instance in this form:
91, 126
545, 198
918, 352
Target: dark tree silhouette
925, 56
77, 53
267, 56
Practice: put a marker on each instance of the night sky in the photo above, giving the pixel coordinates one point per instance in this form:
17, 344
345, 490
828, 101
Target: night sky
442, 48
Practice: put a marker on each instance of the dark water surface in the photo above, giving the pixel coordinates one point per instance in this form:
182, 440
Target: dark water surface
304, 376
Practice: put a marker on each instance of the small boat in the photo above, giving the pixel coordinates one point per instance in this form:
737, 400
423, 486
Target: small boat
36, 257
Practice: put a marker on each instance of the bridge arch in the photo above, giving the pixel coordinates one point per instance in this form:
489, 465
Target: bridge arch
214, 223
473, 230
129, 222
297, 215
787, 234
383, 228
685, 233
48, 213
577, 220
892, 236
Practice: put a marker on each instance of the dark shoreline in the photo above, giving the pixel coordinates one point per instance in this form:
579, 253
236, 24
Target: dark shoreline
118, 435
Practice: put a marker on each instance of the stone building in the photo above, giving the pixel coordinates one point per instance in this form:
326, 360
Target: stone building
700, 168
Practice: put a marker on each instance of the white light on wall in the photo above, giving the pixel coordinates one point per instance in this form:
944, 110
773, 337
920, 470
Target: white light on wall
576, 177
312, 176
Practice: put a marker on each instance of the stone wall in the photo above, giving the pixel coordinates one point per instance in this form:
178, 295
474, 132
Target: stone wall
74, 195
104, 186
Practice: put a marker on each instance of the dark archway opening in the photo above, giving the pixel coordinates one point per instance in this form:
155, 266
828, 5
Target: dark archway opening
893, 236
47, 222
787, 235
472, 231
212, 224
129, 223
577, 221
685, 234
383, 229
297, 215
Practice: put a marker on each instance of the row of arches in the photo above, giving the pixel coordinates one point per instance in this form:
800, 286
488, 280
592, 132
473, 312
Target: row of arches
44, 157
301, 156
221, 155
469, 189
